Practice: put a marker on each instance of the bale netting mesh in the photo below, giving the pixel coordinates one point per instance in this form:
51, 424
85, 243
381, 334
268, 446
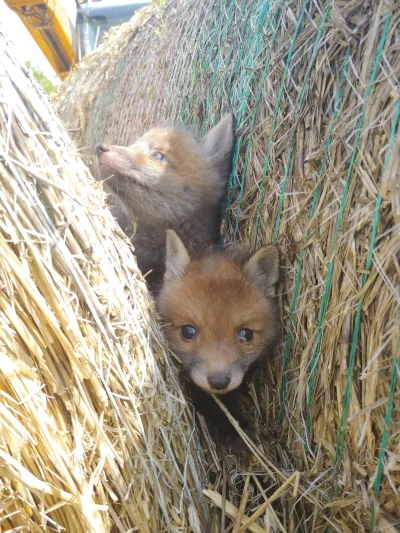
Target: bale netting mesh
95, 434
314, 85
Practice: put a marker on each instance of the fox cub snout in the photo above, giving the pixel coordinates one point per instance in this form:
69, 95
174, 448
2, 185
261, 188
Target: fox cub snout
220, 318
169, 179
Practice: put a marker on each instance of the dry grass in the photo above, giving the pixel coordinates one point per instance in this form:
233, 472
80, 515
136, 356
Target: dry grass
95, 434
315, 89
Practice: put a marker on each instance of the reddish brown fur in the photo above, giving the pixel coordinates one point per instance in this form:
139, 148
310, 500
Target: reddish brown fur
217, 297
184, 192
186, 162
219, 294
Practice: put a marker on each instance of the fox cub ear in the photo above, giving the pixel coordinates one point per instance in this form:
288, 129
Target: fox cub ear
177, 258
218, 147
263, 269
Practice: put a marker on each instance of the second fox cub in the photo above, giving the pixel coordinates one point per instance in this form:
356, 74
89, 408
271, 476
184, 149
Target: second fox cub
169, 179
221, 318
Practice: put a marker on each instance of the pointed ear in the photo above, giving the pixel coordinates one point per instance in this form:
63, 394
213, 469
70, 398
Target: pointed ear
218, 147
177, 258
263, 269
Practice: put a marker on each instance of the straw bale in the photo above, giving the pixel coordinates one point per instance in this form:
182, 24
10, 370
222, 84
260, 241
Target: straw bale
95, 434
314, 85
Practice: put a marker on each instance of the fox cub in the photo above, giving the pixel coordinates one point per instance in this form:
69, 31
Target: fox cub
169, 179
220, 315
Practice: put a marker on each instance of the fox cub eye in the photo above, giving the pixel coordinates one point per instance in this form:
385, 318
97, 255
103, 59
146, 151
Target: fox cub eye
188, 332
158, 156
245, 334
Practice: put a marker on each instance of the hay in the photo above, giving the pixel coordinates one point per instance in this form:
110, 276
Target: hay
315, 89
95, 434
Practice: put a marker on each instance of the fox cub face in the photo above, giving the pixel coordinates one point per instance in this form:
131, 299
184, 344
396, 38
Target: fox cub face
168, 172
219, 312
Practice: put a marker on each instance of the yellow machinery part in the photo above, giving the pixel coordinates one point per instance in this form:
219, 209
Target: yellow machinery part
48, 23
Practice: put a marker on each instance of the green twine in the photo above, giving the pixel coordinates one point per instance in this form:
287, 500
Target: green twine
296, 121
325, 298
198, 61
385, 435
214, 40
275, 119
347, 392
328, 143
224, 36
244, 91
230, 52
253, 120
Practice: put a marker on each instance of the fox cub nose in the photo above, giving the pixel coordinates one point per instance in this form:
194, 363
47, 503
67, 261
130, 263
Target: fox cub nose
219, 382
101, 148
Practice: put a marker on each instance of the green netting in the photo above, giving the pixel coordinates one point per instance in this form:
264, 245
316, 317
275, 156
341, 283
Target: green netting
314, 89
254, 114
308, 233
388, 420
254, 45
327, 287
